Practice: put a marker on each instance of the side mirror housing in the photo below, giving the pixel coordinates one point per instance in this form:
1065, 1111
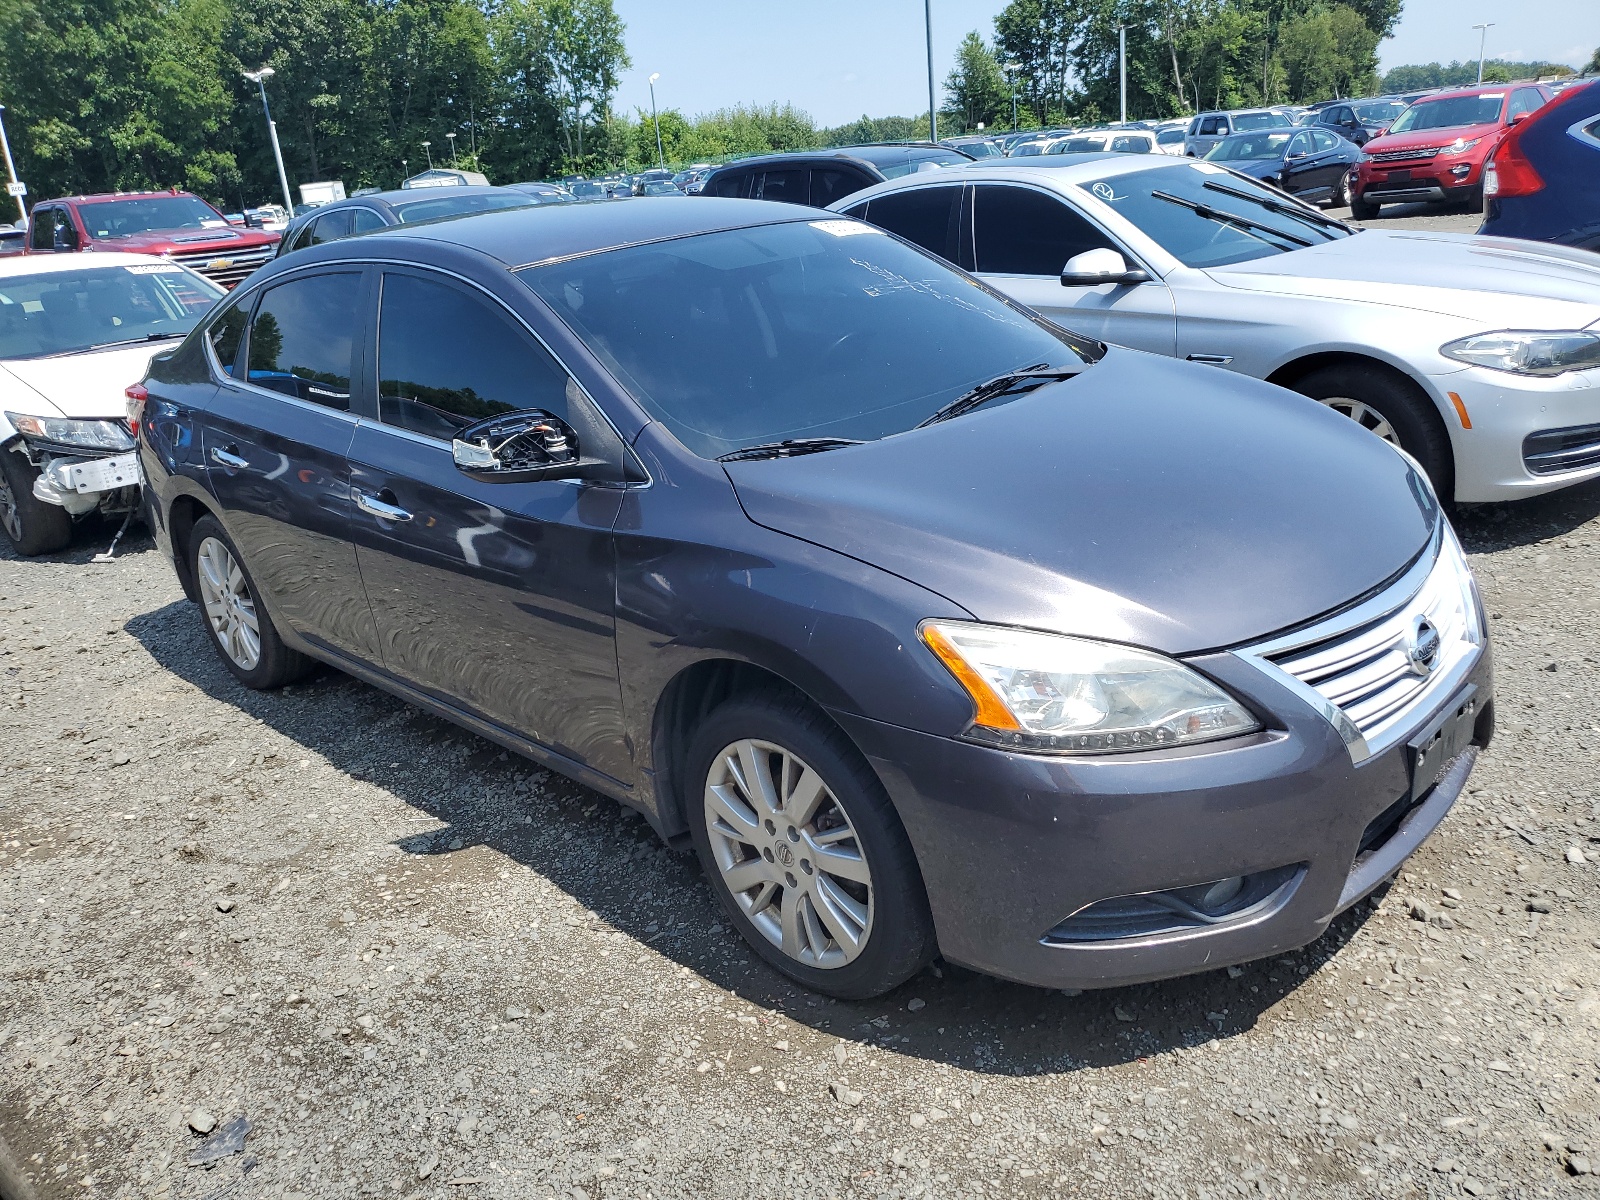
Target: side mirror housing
521, 447
1095, 267
1518, 118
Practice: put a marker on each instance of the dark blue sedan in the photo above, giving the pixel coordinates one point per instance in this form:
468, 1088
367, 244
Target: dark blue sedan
1543, 181
1309, 163
932, 627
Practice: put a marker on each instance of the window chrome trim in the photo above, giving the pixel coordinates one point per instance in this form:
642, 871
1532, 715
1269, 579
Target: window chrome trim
1587, 129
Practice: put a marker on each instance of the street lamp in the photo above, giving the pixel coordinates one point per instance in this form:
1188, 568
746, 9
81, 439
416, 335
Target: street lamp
17, 190
259, 78
1483, 37
933, 111
661, 155
1011, 70
452, 138
429, 153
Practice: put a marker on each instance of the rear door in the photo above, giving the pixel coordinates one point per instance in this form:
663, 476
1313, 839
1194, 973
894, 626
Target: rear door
495, 597
274, 443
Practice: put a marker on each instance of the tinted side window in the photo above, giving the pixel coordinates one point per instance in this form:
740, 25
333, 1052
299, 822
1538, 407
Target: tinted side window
301, 239
1022, 232
1208, 126
427, 385
832, 183
1130, 145
44, 226
925, 216
1300, 143
226, 334
1525, 100
788, 184
330, 227
302, 340
364, 219
1323, 139
728, 183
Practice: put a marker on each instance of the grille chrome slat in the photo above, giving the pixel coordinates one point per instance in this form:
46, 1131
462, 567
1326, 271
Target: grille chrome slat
241, 263
1419, 154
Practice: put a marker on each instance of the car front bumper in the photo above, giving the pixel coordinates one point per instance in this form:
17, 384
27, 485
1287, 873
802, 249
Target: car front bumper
1529, 434
1010, 845
1436, 183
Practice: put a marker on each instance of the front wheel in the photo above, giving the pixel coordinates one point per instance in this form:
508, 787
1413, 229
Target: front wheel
1362, 211
1390, 408
33, 526
804, 850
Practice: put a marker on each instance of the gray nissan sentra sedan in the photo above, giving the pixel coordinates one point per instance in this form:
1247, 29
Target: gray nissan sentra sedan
934, 628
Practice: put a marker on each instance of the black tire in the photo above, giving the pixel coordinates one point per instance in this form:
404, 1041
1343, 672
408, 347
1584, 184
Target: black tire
1341, 194
1360, 210
899, 940
33, 526
276, 664
1410, 415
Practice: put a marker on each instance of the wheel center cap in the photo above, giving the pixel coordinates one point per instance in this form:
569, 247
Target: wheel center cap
784, 854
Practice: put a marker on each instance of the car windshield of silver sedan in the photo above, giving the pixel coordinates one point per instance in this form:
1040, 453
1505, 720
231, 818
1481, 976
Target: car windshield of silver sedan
796, 337
1245, 146
65, 312
1207, 216
1454, 113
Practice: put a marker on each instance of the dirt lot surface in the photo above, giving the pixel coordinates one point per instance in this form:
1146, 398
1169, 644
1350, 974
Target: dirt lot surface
418, 967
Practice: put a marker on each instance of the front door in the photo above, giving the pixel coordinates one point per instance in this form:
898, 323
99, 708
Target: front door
494, 597
1022, 238
274, 445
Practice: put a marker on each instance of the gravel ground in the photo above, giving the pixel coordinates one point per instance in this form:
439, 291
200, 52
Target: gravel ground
420, 967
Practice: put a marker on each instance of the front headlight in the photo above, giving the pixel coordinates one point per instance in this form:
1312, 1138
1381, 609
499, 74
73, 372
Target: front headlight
63, 431
1043, 691
1461, 146
1528, 351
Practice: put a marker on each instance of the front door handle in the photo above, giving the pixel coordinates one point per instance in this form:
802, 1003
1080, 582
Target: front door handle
378, 508
229, 458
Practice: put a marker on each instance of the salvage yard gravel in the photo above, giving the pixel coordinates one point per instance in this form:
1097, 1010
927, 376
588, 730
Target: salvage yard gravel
315, 943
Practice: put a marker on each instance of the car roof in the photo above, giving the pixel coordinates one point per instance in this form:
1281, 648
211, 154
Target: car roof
14, 266
1477, 89
101, 197
522, 236
1051, 170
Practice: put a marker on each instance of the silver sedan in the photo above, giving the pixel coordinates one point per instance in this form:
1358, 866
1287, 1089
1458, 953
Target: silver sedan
1480, 357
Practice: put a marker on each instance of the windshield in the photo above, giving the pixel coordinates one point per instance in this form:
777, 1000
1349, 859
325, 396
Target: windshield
826, 328
1452, 112
583, 188
1079, 145
62, 312
1245, 146
1170, 137
1159, 203
1380, 112
452, 205
1266, 120
141, 214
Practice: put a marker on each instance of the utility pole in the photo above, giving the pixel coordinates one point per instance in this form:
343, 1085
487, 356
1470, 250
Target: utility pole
259, 78
1011, 73
17, 190
1483, 37
933, 108
661, 155
1122, 64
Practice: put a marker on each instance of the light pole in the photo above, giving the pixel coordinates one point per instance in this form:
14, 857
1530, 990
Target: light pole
1483, 37
259, 78
1011, 70
1122, 68
933, 108
11, 168
661, 155
452, 139
429, 153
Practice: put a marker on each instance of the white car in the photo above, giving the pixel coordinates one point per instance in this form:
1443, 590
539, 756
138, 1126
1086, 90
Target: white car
75, 331
1106, 141
1480, 357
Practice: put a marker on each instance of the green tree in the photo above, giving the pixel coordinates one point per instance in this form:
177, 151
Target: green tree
976, 89
1328, 51
584, 42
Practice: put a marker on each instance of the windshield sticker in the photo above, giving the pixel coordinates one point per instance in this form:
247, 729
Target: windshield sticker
155, 269
843, 228
1104, 191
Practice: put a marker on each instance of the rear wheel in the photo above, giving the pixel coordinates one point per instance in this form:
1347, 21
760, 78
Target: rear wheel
804, 850
1390, 408
240, 629
1341, 193
33, 526
1362, 211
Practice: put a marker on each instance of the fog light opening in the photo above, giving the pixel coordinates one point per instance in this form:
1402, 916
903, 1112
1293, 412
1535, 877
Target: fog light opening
1198, 906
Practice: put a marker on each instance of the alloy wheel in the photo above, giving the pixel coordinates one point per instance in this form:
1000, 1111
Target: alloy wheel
229, 606
788, 853
1364, 415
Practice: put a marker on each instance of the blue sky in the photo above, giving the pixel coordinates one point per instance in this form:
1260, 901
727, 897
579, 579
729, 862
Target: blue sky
838, 59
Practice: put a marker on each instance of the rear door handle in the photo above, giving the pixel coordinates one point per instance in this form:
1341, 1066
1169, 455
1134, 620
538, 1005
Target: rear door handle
229, 457
378, 508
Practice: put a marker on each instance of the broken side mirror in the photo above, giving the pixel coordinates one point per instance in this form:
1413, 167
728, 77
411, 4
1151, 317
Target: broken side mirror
521, 447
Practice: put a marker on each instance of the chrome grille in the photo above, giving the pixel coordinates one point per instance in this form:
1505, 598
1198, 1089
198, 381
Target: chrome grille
1419, 153
240, 263
1356, 666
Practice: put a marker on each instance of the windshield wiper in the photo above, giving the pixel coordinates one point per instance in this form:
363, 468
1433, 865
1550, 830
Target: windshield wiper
1021, 380
1223, 217
1277, 206
788, 448
149, 337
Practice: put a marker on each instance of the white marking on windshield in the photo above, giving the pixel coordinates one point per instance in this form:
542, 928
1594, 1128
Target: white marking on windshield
839, 228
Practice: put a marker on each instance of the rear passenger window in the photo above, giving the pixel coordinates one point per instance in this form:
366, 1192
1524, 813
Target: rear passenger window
924, 216
1019, 231
829, 184
330, 227
226, 334
730, 183
788, 185
363, 220
302, 340
428, 386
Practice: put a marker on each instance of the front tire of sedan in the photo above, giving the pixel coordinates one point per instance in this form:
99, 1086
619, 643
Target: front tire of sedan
241, 632
1390, 409
803, 848
33, 526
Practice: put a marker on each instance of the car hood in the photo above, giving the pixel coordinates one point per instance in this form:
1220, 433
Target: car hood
1145, 501
188, 241
89, 384
1419, 139
1494, 283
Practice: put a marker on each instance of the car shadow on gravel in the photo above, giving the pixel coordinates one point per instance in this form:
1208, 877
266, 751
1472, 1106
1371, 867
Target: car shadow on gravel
1486, 528
607, 859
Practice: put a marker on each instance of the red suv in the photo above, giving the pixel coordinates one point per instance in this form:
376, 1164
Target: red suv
1435, 151
174, 224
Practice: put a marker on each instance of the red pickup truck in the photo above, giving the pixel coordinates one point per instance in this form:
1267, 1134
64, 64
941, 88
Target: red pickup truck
173, 224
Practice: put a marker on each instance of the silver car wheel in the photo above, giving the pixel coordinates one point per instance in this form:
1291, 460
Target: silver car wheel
229, 606
1365, 416
788, 853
